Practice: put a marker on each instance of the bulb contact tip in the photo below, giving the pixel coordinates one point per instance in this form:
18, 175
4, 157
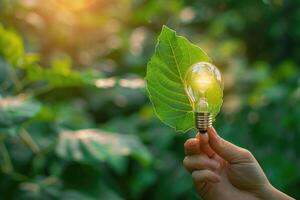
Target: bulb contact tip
203, 121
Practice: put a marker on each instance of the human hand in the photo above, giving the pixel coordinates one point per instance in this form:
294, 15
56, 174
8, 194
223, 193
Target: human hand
222, 170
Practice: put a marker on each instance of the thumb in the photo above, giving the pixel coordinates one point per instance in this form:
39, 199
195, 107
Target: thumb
228, 151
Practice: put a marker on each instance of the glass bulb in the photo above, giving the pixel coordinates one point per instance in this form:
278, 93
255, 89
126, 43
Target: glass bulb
198, 80
202, 81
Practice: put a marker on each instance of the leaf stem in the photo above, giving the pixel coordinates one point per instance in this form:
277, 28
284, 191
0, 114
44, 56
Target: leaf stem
28, 140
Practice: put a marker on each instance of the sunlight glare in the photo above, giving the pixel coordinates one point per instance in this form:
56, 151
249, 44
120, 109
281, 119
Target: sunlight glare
74, 5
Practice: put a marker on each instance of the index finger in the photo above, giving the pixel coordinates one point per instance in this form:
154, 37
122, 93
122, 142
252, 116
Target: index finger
204, 144
192, 146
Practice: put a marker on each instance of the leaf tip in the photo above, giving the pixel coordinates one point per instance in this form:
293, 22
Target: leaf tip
165, 28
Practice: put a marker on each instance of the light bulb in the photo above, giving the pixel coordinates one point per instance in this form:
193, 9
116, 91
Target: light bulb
201, 80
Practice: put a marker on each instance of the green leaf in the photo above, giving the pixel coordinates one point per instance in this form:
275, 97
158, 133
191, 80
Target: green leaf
92, 146
165, 78
11, 47
16, 110
61, 76
39, 187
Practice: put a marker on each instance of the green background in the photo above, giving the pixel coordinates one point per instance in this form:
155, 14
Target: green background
75, 119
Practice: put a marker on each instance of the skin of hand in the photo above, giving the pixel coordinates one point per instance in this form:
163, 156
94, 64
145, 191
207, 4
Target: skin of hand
222, 170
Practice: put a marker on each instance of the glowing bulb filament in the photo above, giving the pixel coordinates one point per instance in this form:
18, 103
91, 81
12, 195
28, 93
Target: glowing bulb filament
203, 82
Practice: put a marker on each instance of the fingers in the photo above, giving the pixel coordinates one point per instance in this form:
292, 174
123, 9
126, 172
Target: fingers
202, 176
192, 146
196, 145
198, 162
227, 150
204, 145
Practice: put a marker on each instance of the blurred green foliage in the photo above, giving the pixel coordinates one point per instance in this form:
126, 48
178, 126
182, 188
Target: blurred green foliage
75, 121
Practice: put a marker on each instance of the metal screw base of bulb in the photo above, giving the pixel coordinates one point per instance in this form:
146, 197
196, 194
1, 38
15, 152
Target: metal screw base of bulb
203, 121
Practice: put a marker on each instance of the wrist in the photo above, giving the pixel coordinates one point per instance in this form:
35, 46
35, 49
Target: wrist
271, 193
